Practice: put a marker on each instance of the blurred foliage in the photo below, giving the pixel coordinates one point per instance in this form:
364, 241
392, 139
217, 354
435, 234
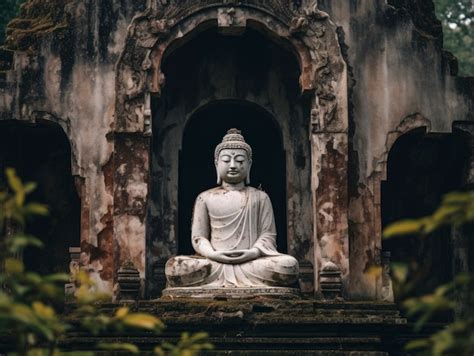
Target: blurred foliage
457, 338
456, 209
8, 10
36, 19
32, 305
457, 17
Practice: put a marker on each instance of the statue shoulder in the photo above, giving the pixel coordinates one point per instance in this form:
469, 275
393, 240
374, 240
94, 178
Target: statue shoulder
260, 193
203, 196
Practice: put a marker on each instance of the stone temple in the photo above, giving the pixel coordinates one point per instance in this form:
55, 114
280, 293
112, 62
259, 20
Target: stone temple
354, 113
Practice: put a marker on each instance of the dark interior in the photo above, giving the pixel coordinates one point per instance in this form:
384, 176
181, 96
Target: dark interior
421, 169
41, 153
197, 171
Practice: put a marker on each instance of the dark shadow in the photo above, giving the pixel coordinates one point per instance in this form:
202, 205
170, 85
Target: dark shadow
41, 153
197, 173
421, 169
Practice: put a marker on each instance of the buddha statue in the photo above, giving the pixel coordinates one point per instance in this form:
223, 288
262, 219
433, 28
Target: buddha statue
233, 231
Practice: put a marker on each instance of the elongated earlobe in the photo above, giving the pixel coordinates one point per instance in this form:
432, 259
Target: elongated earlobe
247, 179
219, 180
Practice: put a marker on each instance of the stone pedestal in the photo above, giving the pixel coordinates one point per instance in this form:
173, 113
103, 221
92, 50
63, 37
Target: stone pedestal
268, 327
231, 293
128, 279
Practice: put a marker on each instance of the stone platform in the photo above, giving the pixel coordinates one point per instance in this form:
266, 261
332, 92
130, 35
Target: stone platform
264, 326
230, 293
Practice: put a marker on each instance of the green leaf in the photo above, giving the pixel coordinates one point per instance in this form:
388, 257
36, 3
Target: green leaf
43, 311
121, 312
418, 344
57, 278
33, 278
36, 209
399, 272
119, 347
403, 227
14, 266
142, 321
462, 279
13, 181
30, 187
17, 243
374, 271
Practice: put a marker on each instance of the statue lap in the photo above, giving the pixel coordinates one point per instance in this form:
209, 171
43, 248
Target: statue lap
194, 271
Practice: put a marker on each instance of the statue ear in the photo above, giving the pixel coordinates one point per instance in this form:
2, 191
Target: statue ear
247, 179
219, 181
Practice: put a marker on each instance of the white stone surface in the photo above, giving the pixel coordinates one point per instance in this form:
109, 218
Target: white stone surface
233, 231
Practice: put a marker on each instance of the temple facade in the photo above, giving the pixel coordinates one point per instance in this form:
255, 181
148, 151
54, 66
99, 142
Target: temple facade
353, 109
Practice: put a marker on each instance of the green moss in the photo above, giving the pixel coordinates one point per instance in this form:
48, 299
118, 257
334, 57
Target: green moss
37, 18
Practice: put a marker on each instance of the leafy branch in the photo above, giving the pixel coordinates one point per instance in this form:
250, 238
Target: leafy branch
31, 304
456, 338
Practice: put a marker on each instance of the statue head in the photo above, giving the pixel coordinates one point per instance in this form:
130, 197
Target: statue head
233, 158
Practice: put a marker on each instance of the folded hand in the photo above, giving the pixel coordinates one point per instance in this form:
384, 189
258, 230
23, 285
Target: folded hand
235, 256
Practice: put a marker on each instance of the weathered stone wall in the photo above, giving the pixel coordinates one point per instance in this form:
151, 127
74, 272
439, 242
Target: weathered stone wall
68, 75
400, 79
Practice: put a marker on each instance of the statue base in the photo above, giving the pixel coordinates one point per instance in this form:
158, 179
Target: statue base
231, 293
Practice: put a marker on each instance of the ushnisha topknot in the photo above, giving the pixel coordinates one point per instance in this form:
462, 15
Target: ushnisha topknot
233, 139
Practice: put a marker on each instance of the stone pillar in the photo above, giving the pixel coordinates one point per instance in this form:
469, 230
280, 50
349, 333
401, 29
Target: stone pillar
130, 199
330, 202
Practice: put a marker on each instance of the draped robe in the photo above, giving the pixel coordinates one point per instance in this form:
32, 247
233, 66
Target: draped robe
233, 221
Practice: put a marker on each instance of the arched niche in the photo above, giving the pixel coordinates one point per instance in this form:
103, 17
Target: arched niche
214, 83
148, 94
203, 131
421, 169
41, 153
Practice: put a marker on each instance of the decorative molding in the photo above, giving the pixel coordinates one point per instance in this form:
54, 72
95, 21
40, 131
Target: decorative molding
138, 75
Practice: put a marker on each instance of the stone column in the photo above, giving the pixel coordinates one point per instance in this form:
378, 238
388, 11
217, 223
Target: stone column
130, 199
330, 202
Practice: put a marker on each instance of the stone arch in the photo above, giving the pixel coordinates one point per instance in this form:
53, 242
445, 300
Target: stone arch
407, 124
40, 151
309, 33
196, 151
422, 167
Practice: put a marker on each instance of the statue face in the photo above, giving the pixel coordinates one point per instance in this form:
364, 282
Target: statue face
233, 165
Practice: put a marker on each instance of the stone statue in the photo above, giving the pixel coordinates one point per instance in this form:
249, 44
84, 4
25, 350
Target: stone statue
233, 231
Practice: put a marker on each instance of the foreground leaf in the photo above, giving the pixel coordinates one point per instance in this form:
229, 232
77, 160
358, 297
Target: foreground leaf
119, 347
143, 321
403, 227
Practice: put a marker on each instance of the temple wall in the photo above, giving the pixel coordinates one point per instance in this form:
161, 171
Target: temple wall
400, 80
69, 77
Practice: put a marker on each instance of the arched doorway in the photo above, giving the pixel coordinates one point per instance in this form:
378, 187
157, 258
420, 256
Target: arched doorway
41, 153
215, 83
421, 168
202, 133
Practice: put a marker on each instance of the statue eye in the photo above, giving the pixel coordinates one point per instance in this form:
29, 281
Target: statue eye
225, 159
240, 159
